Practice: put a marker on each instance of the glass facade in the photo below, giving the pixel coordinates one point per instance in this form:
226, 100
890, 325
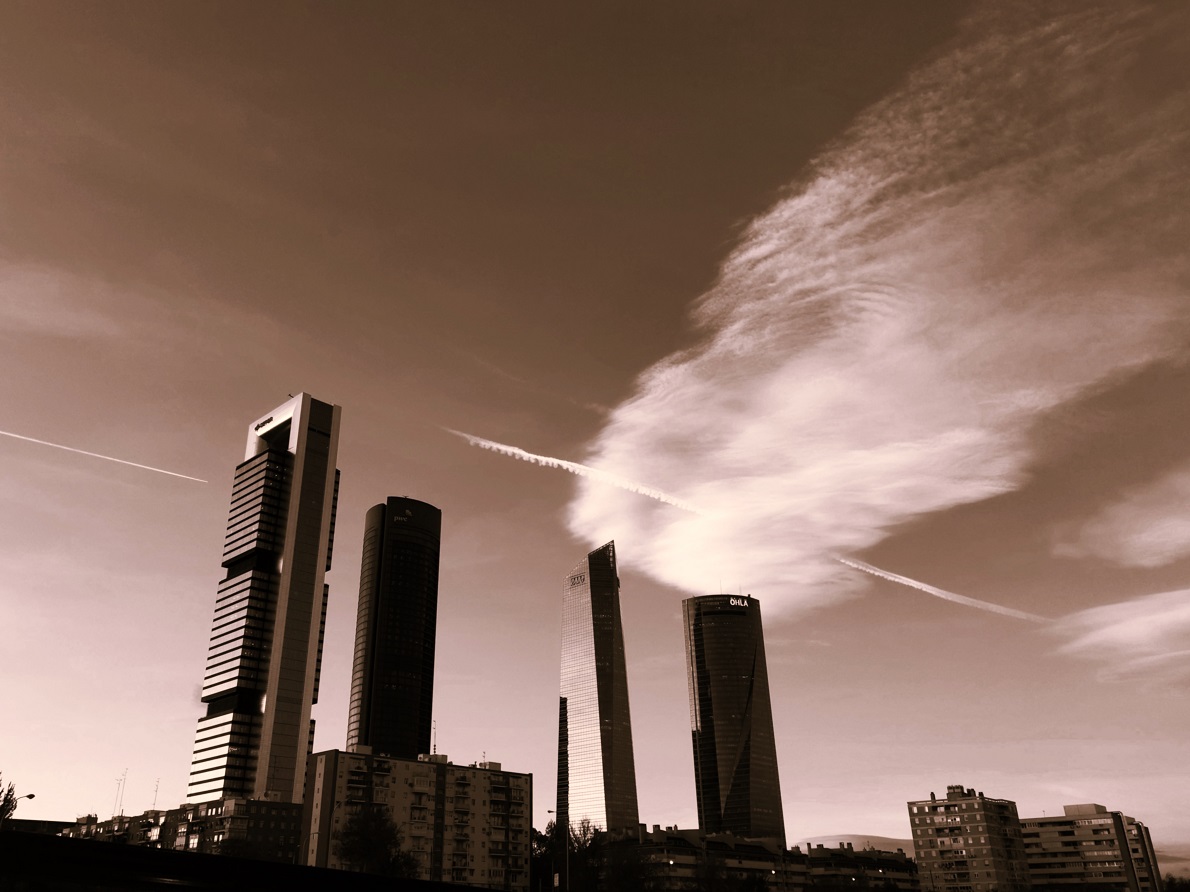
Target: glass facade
392, 680
595, 727
731, 718
270, 612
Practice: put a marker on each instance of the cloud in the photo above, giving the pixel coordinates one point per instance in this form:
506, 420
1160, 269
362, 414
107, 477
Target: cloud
1145, 639
34, 300
1001, 236
1146, 527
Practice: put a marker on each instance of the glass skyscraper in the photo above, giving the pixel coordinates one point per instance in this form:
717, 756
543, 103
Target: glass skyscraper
731, 718
270, 612
392, 680
597, 775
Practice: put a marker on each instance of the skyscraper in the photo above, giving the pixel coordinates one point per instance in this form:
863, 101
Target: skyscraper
731, 718
270, 612
392, 680
594, 725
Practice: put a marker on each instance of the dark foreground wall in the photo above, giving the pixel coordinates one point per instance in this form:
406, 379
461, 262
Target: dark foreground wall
30, 862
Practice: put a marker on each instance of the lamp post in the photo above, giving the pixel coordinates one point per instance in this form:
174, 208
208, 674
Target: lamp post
566, 843
14, 801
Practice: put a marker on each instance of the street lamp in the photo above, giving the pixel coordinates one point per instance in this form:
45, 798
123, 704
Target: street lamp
15, 800
566, 843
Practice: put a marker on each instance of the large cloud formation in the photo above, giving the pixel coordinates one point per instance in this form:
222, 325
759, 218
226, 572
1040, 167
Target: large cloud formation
998, 237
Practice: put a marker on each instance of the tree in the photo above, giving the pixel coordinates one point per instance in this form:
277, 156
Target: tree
586, 843
371, 843
624, 868
542, 858
8, 800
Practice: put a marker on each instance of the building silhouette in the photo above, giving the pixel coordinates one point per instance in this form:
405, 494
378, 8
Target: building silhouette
597, 774
255, 828
731, 718
968, 841
1088, 847
392, 679
270, 612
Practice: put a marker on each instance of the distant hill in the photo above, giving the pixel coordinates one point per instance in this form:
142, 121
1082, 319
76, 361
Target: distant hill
860, 841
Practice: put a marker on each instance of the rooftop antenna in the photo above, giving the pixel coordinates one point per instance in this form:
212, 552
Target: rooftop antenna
156, 787
118, 805
435, 750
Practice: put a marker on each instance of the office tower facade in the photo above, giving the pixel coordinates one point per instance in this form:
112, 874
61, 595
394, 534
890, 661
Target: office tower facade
392, 679
1089, 847
731, 718
968, 842
270, 612
466, 824
598, 779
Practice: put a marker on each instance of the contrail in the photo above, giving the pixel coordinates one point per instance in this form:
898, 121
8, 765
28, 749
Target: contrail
97, 455
576, 468
943, 593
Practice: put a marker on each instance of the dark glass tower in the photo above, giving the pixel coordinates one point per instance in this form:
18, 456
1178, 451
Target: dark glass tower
598, 779
270, 613
731, 718
392, 680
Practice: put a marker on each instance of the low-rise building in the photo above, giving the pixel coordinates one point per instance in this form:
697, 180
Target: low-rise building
465, 824
853, 868
1088, 847
678, 860
687, 860
249, 828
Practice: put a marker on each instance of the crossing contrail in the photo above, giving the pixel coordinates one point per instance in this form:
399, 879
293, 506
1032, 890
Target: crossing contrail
576, 468
105, 457
943, 593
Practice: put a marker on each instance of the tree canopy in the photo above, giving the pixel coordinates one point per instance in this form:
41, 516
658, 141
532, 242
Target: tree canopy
8, 800
370, 842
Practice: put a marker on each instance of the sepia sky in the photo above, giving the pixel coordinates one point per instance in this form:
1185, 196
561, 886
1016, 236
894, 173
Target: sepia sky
900, 284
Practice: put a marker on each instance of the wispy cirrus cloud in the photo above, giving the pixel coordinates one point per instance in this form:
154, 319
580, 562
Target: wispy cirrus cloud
995, 240
37, 300
1146, 639
1146, 527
